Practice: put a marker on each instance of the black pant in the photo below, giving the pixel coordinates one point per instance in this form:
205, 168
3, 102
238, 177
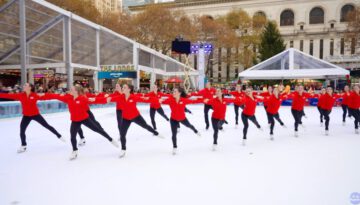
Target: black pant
75, 126
272, 118
297, 117
206, 114
356, 114
174, 125
236, 109
321, 111
217, 125
119, 118
326, 114
91, 117
152, 115
187, 110
345, 110
25, 121
267, 115
245, 119
139, 120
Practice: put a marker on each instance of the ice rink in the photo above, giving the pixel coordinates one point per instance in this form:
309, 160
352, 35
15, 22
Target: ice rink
313, 169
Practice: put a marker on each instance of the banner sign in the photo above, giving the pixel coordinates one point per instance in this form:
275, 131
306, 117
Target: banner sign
117, 74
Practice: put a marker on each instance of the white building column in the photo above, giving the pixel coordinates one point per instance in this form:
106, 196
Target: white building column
22, 22
97, 50
201, 68
136, 81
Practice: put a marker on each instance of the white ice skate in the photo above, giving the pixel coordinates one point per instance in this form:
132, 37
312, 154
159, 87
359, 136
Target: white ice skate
244, 142
236, 126
174, 151
73, 155
82, 142
122, 154
327, 132
284, 126
296, 134
62, 139
343, 123
302, 125
272, 137
198, 134
21, 149
178, 130
261, 129
114, 142
160, 136
214, 147
356, 131
321, 124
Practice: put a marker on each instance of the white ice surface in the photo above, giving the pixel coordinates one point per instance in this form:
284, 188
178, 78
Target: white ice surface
312, 169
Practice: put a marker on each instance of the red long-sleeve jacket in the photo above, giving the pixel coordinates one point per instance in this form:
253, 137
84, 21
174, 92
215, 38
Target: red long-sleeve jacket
265, 95
178, 108
28, 103
327, 101
119, 106
154, 99
249, 105
129, 111
206, 93
219, 107
354, 101
298, 100
345, 98
78, 107
237, 95
274, 103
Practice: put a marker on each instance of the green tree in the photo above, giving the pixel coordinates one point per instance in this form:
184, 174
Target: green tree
271, 42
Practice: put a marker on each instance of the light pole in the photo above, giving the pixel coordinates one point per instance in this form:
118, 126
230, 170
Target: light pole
201, 49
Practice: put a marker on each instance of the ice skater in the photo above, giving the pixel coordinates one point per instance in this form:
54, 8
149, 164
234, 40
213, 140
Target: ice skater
207, 93
130, 114
273, 103
177, 103
265, 94
354, 105
320, 104
219, 105
248, 113
77, 104
155, 105
327, 102
119, 106
297, 107
344, 104
237, 104
28, 99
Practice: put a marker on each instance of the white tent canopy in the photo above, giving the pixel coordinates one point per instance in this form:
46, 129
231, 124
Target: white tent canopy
294, 64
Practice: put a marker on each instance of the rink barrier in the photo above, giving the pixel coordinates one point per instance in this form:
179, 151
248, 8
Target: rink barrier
10, 109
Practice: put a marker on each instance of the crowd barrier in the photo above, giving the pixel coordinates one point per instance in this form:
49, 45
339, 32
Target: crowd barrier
13, 108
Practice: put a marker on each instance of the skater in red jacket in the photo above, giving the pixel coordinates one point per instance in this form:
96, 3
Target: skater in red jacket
130, 114
28, 99
207, 93
237, 104
354, 105
177, 103
345, 101
155, 105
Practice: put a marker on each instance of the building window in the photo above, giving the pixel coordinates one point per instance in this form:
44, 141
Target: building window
219, 59
291, 44
287, 18
302, 27
321, 48
345, 11
332, 47
316, 15
311, 51
301, 45
342, 46
332, 25
352, 46
219, 76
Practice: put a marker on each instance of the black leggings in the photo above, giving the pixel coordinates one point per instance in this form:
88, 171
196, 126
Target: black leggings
345, 111
75, 126
187, 110
326, 114
152, 115
245, 119
25, 121
139, 120
272, 118
356, 114
297, 117
119, 118
174, 125
321, 111
217, 125
206, 114
267, 115
236, 109
91, 117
